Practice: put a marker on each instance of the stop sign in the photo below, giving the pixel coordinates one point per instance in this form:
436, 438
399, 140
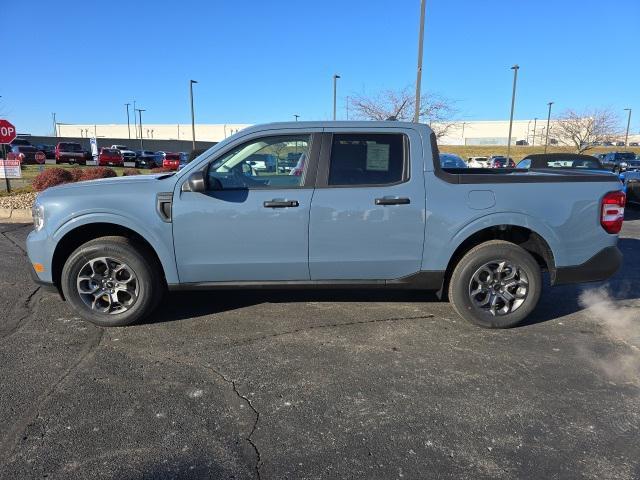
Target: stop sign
40, 157
7, 132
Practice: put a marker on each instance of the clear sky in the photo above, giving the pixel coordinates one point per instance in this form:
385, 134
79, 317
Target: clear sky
265, 60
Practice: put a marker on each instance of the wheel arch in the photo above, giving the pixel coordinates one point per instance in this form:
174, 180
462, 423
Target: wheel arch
523, 236
74, 237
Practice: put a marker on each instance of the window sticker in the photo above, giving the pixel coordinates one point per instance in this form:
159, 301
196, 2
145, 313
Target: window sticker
378, 156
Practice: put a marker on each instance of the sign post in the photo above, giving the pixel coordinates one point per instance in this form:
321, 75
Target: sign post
40, 158
7, 135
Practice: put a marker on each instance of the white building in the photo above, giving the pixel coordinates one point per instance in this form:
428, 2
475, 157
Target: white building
468, 132
175, 131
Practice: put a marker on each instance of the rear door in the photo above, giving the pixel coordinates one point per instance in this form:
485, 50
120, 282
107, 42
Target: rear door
368, 211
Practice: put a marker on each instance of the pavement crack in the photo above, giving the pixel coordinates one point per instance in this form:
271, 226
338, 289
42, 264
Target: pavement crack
20, 322
327, 325
11, 436
12, 241
242, 397
253, 409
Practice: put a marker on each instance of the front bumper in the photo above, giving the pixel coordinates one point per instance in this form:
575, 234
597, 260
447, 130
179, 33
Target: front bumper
46, 286
600, 267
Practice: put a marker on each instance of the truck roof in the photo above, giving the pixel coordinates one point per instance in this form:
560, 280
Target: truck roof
337, 124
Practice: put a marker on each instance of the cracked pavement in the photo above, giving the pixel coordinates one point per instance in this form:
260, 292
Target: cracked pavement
343, 384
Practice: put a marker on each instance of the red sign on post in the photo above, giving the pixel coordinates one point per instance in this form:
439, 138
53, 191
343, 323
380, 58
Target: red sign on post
40, 157
7, 132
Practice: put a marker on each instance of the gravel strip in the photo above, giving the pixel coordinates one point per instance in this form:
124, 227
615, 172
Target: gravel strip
22, 200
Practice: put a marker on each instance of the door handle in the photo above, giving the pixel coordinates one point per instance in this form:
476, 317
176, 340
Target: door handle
393, 201
280, 203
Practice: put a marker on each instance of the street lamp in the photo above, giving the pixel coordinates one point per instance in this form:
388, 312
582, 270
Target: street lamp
626, 136
546, 140
55, 124
128, 124
193, 118
335, 81
135, 122
515, 69
416, 115
463, 124
140, 110
296, 116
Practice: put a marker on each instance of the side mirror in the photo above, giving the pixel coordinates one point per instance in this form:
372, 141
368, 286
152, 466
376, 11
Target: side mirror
623, 166
197, 182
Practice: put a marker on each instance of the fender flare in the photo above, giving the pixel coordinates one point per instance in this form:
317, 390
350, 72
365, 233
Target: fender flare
164, 252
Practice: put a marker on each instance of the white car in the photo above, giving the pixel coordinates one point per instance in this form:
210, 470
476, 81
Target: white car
478, 162
128, 155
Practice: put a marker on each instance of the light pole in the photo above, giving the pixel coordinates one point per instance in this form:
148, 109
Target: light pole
128, 124
55, 124
416, 115
515, 69
546, 140
463, 124
296, 116
626, 136
140, 110
135, 122
193, 118
533, 143
335, 82
347, 107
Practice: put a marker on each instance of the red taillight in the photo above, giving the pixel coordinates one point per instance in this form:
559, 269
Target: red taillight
612, 211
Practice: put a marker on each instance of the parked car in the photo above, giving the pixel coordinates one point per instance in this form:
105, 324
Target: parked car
26, 153
356, 218
451, 160
128, 155
500, 161
521, 142
48, 150
20, 142
619, 144
71, 152
146, 159
477, 162
561, 160
171, 161
110, 157
633, 144
615, 161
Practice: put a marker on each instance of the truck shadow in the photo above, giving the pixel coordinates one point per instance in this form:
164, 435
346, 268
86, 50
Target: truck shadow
555, 302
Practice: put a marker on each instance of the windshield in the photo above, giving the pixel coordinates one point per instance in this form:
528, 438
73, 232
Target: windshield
625, 156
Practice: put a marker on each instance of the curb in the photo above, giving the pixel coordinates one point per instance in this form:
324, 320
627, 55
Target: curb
15, 215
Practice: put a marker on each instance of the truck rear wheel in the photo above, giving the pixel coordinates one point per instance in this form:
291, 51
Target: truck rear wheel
497, 284
111, 281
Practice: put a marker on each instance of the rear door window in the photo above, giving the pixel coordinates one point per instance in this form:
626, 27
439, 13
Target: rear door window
367, 159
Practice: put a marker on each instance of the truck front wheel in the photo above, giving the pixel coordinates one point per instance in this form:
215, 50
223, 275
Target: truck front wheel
496, 284
111, 281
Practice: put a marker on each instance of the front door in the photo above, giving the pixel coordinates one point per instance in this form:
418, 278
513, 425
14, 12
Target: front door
252, 224
368, 210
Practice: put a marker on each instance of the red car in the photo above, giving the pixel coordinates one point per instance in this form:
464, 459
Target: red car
110, 156
171, 161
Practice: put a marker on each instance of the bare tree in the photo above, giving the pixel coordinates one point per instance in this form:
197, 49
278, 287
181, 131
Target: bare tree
584, 130
436, 110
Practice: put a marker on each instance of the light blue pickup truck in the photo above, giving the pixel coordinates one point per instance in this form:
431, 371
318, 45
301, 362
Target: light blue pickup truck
366, 205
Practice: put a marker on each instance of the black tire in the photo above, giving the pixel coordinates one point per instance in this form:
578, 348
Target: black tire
492, 253
137, 259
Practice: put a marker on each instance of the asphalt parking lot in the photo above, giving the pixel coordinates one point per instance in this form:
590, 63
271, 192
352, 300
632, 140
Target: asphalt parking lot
320, 385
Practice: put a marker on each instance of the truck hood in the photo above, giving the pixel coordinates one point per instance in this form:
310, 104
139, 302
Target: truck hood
107, 186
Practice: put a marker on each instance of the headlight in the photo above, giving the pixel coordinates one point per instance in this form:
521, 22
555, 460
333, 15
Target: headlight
37, 212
